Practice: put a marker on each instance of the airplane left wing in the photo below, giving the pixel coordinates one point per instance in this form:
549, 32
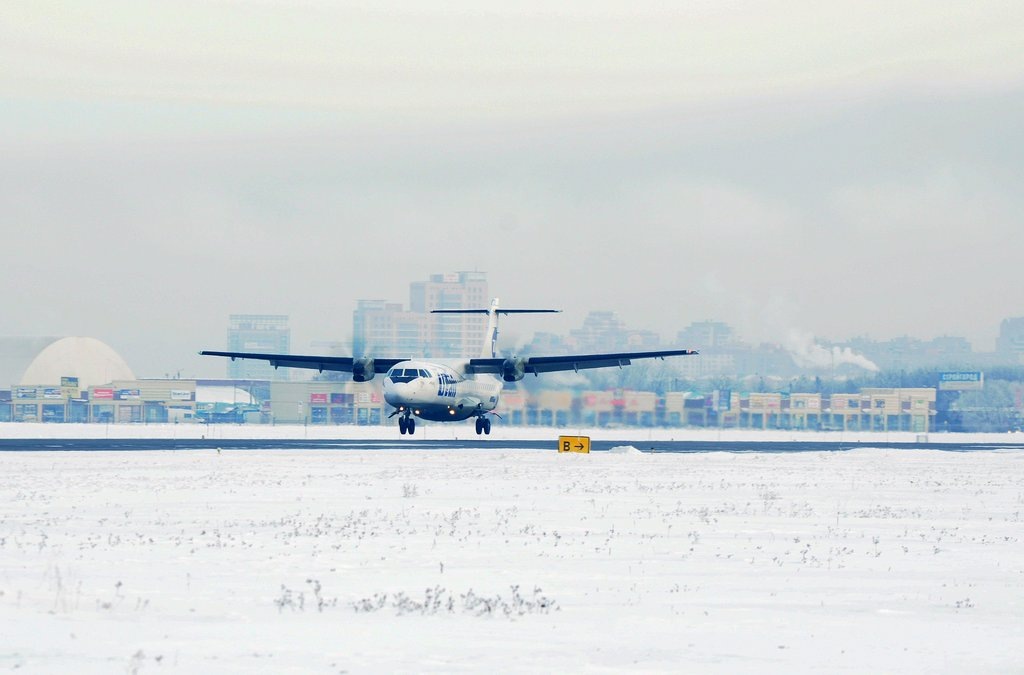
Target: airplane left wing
576, 362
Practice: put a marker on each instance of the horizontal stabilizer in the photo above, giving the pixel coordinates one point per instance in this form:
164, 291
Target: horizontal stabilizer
499, 311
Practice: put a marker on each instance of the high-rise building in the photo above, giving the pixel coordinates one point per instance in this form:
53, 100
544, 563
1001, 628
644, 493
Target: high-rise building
910, 353
452, 290
602, 331
707, 335
452, 335
1010, 345
381, 328
261, 333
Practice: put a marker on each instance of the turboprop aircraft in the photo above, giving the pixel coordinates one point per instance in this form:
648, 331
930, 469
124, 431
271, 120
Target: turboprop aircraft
451, 391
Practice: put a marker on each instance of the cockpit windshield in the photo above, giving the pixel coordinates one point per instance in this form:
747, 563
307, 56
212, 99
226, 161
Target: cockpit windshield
406, 374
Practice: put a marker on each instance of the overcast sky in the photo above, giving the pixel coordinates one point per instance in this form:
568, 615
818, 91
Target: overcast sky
841, 169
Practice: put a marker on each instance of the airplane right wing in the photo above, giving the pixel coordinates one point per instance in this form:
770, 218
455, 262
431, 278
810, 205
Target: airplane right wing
513, 368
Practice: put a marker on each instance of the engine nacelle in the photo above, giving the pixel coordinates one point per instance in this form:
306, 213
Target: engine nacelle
513, 370
362, 369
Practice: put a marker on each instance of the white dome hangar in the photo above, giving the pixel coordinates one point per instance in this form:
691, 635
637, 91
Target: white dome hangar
93, 362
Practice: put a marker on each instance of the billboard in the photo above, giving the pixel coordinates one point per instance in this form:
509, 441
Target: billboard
181, 395
24, 392
126, 394
53, 392
69, 382
318, 398
961, 380
102, 393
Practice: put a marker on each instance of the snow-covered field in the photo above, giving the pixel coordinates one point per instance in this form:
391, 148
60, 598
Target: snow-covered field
464, 431
507, 561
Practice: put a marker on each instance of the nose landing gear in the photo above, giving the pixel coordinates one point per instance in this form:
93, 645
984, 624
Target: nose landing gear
483, 425
407, 424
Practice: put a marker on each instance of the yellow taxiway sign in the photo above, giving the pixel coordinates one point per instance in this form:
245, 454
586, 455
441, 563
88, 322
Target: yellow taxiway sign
574, 443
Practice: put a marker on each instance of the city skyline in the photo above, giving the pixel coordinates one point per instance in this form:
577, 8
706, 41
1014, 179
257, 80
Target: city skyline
792, 167
808, 351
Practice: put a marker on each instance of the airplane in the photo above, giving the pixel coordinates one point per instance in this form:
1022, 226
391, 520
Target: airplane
452, 391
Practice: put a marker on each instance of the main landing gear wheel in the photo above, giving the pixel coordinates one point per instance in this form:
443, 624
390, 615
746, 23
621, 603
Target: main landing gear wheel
483, 425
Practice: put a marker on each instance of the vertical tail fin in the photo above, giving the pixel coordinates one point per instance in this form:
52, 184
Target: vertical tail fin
488, 350
489, 347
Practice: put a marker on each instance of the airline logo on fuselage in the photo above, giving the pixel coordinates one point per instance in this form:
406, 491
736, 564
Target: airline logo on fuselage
446, 385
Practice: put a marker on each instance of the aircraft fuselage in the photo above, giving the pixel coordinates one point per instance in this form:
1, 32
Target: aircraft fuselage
440, 392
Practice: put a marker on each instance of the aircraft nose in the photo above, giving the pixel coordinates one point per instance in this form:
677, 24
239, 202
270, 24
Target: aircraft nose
397, 393
394, 390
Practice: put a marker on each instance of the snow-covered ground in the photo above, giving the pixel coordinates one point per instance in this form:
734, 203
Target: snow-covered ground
464, 431
507, 561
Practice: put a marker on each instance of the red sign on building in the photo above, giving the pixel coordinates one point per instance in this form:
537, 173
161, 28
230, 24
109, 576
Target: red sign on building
318, 398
